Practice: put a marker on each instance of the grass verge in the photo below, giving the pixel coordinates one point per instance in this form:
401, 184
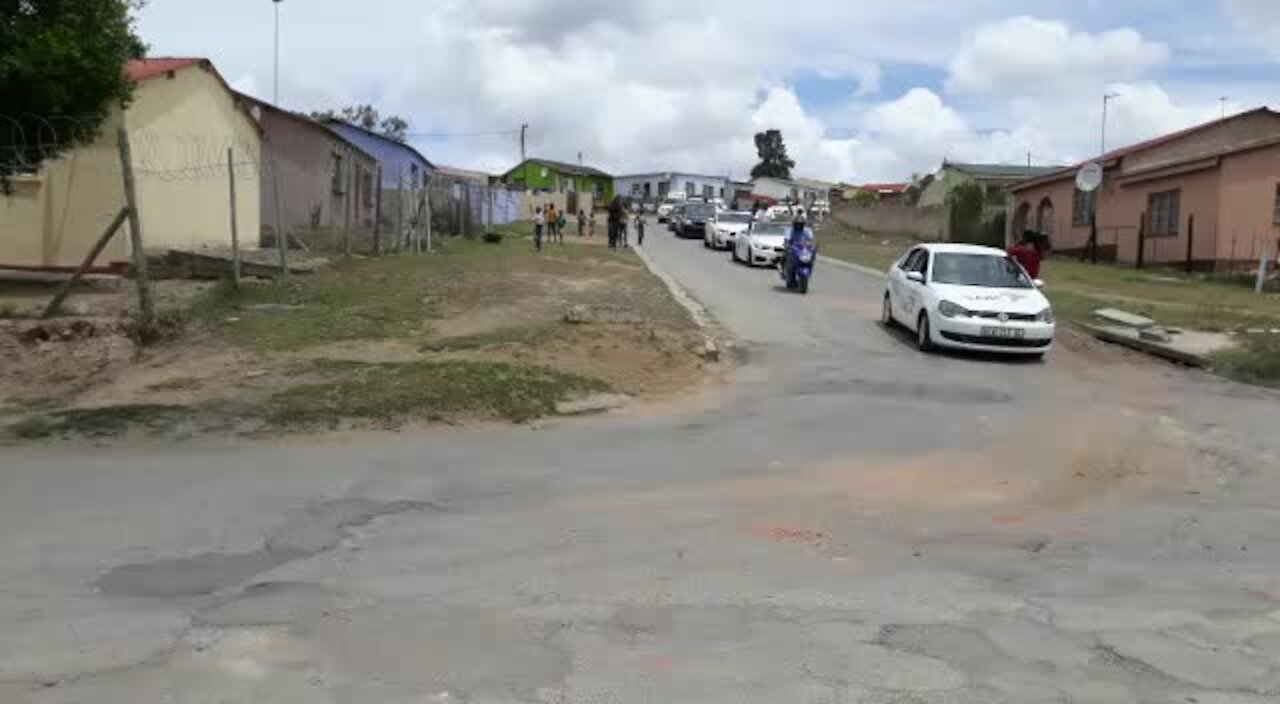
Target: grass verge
104, 422
426, 390
1255, 361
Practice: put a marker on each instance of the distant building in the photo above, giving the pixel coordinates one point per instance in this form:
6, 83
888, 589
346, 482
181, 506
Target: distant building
1208, 195
655, 187
798, 190
993, 178
884, 192
463, 175
559, 177
182, 120
325, 180
405, 171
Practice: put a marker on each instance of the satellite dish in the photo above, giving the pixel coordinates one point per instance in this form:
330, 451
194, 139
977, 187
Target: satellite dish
1089, 178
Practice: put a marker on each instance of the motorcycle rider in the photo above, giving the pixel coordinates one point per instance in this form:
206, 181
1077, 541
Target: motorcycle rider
799, 233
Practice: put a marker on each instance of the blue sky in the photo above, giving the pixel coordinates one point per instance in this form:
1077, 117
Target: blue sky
862, 90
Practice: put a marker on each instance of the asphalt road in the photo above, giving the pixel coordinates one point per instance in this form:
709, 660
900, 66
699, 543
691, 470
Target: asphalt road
846, 520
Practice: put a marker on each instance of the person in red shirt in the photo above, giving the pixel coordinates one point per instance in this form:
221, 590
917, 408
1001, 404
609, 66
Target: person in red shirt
1028, 253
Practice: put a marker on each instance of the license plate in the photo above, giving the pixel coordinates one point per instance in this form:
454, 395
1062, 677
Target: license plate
1010, 333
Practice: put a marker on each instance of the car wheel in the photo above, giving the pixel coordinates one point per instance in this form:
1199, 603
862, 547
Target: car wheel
924, 336
886, 313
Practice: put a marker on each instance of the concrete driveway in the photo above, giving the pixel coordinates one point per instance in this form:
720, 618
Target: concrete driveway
846, 521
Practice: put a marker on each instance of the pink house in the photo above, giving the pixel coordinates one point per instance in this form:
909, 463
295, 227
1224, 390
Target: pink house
1208, 196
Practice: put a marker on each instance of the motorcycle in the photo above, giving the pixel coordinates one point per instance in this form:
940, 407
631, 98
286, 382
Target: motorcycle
796, 267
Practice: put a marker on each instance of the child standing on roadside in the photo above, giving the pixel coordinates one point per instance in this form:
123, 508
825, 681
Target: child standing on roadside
537, 229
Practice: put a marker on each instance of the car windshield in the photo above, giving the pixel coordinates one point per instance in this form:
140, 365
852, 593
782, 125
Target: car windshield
699, 210
987, 270
735, 218
769, 230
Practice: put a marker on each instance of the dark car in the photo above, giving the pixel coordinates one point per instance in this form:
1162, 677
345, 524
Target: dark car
673, 222
693, 219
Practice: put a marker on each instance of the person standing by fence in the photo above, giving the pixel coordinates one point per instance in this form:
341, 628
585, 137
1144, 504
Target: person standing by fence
561, 222
538, 224
582, 223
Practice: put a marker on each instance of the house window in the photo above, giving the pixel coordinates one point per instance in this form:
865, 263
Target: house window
648, 190
708, 192
722, 193
413, 176
664, 187
688, 189
368, 188
1276, 218
337, 180
598, 189
1083, 207
1163, 213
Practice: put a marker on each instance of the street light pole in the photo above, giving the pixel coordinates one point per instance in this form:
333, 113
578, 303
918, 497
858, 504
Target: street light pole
1106, 100
275, 91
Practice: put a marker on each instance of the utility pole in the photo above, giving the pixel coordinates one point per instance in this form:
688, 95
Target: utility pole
579, 158
523, 129
276, 86
1028, 160
1223, 100
1106, 100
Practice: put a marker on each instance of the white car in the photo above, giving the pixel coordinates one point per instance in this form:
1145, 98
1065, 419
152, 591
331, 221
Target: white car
724, 228
968, 297
763, 244
778, 212
664, 211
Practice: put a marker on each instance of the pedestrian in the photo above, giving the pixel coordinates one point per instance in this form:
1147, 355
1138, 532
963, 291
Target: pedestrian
582, 224
538, 224
551, 222
591, 224
560, 223
616, 221
640, 228
1029, 252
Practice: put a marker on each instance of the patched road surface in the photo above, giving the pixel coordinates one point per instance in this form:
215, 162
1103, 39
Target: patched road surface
846, 520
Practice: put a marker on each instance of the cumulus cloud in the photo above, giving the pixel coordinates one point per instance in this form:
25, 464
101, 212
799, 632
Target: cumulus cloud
652, 85
1259, 19
1024, 55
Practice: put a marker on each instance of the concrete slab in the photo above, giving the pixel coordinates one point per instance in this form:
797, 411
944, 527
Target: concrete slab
1119, 317
1189, 347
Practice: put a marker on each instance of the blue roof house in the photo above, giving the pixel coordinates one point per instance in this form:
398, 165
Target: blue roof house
403, 167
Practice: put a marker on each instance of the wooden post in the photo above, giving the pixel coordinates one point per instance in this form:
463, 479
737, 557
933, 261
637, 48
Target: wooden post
235, 226
399, 209
70, 283
1142, 240
377, 213
1262, 273
488, 226
352, 190
140, 277
427, 200
1191, 235
282, 237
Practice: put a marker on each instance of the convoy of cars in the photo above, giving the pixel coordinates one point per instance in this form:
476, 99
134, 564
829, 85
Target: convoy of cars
954, 296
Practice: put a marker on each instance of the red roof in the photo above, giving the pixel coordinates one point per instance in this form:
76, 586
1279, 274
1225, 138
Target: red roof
142, 69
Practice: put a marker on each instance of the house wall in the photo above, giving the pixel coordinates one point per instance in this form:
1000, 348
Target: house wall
1120, 208
398, 161
52, 218
305, 159
776, 189
935, 194
623, 185
184, 126
536, 176
1246, 221
894, 218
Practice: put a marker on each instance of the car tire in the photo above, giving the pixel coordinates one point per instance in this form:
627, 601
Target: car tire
924, 335
886, 313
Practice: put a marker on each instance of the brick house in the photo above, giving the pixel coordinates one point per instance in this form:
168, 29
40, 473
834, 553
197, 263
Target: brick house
1208, 195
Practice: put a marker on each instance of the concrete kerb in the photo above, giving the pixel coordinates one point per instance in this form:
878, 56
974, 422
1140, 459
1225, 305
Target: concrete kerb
711, 349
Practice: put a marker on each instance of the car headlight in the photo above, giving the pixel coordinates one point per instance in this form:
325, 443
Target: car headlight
951, 310
806, 257
1046, 316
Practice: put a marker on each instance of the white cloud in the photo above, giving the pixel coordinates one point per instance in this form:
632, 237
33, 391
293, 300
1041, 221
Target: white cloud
651, 85
1025, 55
1259, 19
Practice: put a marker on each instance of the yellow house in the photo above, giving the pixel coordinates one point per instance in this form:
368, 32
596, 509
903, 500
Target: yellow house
181, 122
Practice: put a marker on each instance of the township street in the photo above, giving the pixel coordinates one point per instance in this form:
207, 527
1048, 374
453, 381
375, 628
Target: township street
845, 520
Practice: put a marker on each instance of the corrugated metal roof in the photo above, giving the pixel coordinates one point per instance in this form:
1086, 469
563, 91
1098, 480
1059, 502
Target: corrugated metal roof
1008, 171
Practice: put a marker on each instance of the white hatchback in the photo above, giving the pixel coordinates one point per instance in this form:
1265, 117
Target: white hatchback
968, 297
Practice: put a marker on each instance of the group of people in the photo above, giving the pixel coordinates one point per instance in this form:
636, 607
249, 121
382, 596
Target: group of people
549, 224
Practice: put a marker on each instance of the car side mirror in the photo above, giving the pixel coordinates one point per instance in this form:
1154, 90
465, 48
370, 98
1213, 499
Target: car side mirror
915, 276
1039, 283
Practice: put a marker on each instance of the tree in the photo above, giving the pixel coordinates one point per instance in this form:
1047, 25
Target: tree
865, 198
61, 74
366, 117
774, 162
